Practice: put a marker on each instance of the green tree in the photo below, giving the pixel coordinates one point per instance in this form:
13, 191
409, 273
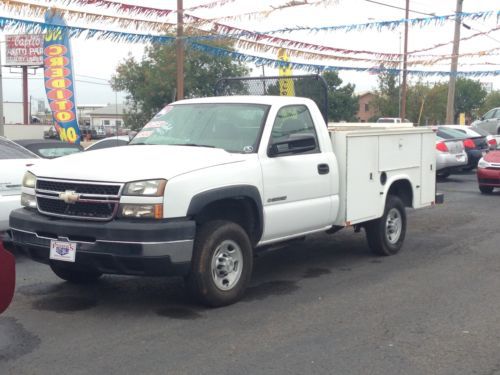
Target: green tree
387, 100
416, 102
469, 97
342, 103
492, 100
150, 84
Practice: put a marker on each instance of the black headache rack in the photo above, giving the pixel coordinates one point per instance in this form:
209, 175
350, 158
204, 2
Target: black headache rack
312, 86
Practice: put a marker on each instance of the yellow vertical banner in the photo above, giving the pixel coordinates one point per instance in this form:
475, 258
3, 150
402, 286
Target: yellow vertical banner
462, 119
286, 85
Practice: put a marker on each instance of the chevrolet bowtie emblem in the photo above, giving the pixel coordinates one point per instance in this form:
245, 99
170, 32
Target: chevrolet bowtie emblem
69, 196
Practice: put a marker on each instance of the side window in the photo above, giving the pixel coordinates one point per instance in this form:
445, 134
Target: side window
293, 121
490, 114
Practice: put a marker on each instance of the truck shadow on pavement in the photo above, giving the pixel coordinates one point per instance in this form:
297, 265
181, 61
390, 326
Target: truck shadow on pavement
277, 273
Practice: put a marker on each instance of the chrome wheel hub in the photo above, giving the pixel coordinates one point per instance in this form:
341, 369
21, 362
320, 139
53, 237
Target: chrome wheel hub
393, 226
227, 265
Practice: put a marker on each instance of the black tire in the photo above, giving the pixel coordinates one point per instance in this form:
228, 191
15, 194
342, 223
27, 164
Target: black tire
485, 189
206, 281
380, 233
74, 274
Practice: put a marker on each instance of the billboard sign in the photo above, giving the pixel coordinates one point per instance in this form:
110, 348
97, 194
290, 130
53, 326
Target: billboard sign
59, 82
24, 50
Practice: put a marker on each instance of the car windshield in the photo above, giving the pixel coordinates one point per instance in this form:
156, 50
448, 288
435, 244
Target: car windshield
10, 150
232, 127
480, 131
56, 152
451, 133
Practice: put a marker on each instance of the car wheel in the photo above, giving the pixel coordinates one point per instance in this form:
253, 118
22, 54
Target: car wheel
73, 274
386, 235
222, 263
486, 189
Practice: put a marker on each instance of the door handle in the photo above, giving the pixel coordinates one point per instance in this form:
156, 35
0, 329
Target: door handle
323, 169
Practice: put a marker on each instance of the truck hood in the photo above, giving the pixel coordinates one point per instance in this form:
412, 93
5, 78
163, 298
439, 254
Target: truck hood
134, 162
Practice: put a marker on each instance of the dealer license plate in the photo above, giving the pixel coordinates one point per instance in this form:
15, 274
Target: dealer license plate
63, 250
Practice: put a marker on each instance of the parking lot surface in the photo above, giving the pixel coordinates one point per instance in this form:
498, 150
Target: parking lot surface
323, 306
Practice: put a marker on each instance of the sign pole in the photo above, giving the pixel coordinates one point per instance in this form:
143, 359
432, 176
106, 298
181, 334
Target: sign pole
26, 119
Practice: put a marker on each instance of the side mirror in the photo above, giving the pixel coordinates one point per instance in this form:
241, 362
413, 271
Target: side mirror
296, 145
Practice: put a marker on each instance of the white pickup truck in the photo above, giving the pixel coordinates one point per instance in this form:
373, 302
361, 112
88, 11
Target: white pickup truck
208, 181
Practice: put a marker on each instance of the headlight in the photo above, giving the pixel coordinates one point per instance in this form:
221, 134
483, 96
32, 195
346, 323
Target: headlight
483, 163
152, 188
141, 211
29, 180
28, 200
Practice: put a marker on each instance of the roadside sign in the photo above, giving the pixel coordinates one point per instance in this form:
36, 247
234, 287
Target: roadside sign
24, 50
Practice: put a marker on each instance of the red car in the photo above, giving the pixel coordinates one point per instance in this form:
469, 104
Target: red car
488, 172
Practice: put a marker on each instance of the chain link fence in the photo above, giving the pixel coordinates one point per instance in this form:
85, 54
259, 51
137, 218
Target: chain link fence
308, 86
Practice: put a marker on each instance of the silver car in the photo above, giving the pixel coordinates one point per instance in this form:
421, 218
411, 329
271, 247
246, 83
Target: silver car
450, 156
490, 121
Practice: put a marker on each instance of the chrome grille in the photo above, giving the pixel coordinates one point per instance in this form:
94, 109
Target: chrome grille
97, 201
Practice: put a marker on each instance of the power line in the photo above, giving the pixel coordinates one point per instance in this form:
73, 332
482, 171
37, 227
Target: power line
400, 8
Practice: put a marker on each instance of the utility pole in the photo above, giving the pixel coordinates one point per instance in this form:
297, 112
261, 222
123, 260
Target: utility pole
450, 107
405, 63
180, 50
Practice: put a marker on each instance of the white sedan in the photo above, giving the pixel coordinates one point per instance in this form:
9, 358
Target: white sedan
14, 160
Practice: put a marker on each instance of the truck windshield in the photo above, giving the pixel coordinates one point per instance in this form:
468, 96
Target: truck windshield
232, 127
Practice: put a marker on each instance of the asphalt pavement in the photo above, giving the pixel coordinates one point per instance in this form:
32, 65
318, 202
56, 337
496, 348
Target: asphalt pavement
323, 306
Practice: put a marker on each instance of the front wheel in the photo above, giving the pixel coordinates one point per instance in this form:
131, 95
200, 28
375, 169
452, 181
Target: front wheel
222, 263
486, 189
386, 235
73, 274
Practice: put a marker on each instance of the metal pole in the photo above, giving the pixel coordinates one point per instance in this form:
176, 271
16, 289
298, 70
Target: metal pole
450, 106
1, 98
405, 63
180, 50
26, 119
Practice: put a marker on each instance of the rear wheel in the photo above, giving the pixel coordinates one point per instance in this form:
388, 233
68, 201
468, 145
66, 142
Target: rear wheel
386, 235
222, 263
74, 274
486, 189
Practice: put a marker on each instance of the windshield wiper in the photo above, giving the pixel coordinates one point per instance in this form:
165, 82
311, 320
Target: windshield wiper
192, 145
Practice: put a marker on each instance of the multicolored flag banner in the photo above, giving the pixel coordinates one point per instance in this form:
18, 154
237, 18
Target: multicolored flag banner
59, 83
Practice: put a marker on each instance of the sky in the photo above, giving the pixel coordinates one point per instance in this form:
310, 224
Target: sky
95, 61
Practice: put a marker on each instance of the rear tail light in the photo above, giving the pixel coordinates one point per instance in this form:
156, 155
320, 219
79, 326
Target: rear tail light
441, 146
492, 142
469, 143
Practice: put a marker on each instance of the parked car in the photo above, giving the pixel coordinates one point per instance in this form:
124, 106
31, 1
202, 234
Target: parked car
51, 133
87, 132
450, 156
488, 172
475, 147
490, 121
48, 148
120, 140
475, 132
14, 161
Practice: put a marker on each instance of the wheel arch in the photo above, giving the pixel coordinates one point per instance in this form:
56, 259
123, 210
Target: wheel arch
403, 189
241, 204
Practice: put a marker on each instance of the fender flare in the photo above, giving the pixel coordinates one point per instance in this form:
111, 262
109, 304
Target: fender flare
201, 200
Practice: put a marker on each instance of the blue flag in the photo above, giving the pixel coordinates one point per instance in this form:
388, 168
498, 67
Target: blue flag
59, 83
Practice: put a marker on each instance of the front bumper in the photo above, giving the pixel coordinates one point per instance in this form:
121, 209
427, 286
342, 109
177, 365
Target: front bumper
488, 176
125, 247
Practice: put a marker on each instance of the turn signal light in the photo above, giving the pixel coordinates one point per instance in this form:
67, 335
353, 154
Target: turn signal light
469, 143
441, 146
